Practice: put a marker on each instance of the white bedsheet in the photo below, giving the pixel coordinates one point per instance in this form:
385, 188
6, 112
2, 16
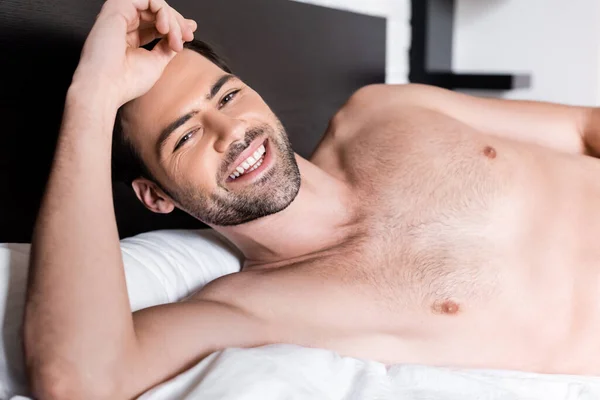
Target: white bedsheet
292, 372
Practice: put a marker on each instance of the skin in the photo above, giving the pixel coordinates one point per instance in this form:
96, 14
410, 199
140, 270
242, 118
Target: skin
429, 227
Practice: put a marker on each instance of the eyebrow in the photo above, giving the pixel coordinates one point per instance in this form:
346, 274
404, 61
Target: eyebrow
165, 134
218, 85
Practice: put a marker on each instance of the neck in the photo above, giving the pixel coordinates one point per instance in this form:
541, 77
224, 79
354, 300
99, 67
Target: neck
319, 218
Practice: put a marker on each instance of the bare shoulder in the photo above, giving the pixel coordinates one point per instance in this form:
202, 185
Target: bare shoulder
369, 108
380, 97
375, 104
396, 94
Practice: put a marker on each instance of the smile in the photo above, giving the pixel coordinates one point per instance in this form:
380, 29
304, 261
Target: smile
250, 164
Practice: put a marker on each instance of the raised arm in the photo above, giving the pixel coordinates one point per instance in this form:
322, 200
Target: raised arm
565, 128
81, 341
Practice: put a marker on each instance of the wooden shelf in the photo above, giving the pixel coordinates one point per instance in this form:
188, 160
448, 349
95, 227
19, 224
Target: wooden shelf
477, 81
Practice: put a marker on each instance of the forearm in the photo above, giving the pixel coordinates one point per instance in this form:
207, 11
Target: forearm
79, 332
77, 317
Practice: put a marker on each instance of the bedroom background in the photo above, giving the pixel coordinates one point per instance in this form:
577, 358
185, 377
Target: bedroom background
555, 43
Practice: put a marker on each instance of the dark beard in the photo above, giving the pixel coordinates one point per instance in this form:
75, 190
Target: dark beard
272, 193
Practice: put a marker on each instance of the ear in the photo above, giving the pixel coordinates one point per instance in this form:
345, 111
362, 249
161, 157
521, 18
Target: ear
152, 196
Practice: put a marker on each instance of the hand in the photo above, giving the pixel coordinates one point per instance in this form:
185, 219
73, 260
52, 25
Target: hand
112, 57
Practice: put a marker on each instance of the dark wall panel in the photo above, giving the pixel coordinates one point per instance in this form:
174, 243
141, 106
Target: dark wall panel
304, 60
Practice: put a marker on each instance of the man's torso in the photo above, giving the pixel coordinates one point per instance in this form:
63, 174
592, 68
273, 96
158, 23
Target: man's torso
469, 250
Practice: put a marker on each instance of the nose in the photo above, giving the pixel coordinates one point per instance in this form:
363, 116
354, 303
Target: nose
226, 129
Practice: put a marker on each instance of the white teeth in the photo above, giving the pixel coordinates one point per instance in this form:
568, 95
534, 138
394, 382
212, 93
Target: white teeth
256, 166
251, 163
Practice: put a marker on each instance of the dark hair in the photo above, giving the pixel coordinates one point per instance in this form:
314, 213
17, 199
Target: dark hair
127, 164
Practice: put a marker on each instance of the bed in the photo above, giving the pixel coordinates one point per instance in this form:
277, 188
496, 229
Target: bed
305, 60
168, 265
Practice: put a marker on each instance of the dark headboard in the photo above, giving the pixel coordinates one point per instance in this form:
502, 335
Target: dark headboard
305, 60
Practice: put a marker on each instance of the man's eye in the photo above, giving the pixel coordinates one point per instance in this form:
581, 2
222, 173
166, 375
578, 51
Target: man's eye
228, 98
184, 139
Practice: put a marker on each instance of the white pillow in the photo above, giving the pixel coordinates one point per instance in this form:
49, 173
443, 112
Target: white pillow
160, 267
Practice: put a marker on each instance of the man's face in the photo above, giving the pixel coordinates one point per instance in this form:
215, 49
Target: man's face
213, 143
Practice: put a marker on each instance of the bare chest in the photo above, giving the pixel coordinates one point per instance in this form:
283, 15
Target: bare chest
455, 250
453, 261
433, 209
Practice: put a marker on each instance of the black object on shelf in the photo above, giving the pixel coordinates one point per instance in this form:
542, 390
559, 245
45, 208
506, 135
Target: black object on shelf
432, 26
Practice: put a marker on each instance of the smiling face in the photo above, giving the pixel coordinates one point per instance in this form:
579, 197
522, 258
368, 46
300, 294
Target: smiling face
212, 143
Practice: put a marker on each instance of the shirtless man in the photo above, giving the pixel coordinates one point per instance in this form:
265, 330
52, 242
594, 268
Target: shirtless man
428, 227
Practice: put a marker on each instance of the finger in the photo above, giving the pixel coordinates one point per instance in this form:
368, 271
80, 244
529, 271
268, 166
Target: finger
186, 32
147, 20
154, 10
162, 21
165, 21
175, 37
152, 5
162, 10
147, 16
193, 25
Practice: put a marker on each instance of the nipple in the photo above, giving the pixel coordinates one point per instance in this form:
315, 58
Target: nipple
489, 152
446, 307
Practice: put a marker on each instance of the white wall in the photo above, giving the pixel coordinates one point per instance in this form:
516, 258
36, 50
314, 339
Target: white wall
398, 29
557, 41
